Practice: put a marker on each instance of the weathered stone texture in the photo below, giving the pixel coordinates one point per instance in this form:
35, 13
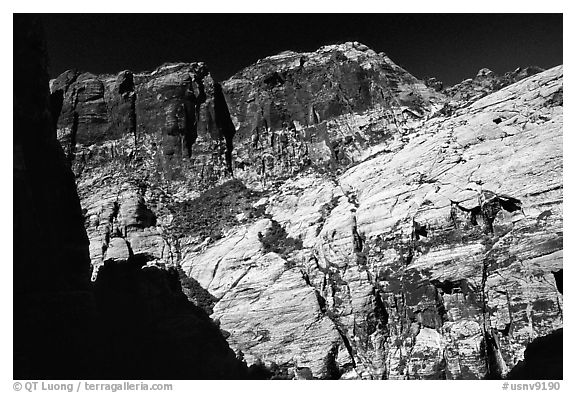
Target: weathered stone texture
374, 228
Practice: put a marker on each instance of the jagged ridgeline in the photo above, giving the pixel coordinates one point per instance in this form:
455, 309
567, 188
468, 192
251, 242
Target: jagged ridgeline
174, 112
335, 215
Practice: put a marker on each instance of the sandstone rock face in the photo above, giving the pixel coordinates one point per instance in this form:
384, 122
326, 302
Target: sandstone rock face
134, 322
367, 232
487, 81
164, 136
131, 130
173, 112
292, 89
453, 234
295, 110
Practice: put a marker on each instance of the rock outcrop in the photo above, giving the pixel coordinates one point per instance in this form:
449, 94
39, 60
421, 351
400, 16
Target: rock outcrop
139, 142
134, 322
169, 127
437, 261
337, 217
461, 231
174, 112
487, 81
325, 109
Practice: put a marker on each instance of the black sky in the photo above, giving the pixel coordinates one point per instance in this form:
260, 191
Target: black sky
451, 47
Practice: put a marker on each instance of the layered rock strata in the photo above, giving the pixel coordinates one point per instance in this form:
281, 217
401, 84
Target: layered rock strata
368, 232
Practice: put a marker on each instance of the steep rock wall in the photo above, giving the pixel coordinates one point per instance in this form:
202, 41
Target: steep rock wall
436, 261
132, 323
395, 237
174, 112
298, 110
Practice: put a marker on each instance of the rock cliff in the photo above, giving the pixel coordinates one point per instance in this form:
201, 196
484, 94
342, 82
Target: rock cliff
133, 322
337, 217
295, 110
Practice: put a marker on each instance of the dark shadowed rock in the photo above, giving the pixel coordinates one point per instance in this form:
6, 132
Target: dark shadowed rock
177, 112
133, 322
295, 110
375, 227
308, 88
52, 303
153, 331
542, 358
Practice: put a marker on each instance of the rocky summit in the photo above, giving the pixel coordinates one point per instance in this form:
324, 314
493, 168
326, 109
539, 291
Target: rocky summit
335, 216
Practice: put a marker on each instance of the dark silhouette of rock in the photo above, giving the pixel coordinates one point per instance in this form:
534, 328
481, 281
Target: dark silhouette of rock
152, 331
134, 322
53, 308
542, 358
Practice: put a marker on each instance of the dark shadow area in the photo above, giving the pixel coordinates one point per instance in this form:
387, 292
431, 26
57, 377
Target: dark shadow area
135, 322
215, 210
559, 278
53, 306
148, 328
542, 359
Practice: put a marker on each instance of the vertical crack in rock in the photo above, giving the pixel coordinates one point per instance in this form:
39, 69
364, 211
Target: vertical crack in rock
358, 240
486, 348
506, 332
325, 211
495, 365
110, 231
322, 305
126, 89
319, 298
347, 344
224, 124
445, 287
380, 311
497, 368
192, 104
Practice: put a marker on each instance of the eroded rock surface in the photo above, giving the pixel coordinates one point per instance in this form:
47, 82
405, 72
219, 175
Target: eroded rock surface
368, 231
327, 108
487, 81
134, 322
